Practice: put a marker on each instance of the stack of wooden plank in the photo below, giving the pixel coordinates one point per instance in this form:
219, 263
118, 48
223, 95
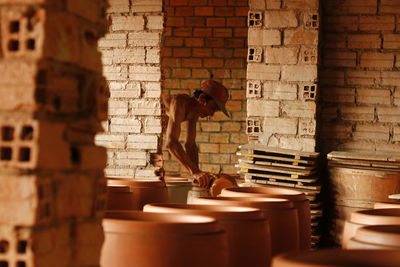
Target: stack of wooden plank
261, 165
372, 160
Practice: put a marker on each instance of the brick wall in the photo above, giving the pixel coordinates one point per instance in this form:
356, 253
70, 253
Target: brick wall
131, 64
360, 79
52, 99
282, 73
203, 39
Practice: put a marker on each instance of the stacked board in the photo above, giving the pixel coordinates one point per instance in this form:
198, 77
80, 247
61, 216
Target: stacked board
375, 161
261, 165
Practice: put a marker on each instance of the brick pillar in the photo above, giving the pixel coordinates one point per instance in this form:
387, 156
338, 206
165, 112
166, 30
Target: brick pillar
53, 97
131, 59
360, 76
203, 40
282, 73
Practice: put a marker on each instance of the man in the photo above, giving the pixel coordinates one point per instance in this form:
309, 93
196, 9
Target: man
179, 108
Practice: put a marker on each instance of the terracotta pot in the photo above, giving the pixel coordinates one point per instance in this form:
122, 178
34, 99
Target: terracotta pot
223, 181
196, 192
387, 205
280, 213
376, 237
148, 191
178, 189
301, 203
246, 228
337, 257
145, 239
368, 217
119, 197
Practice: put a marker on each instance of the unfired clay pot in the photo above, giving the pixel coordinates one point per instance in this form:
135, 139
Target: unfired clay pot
387, 205
178, 188
280, 213
368, 217
119, 197
148, 191
145, 239
376, 237
337, 257
246, 228
301, 203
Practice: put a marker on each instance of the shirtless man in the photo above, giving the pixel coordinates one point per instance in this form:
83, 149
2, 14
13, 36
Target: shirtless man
179, 108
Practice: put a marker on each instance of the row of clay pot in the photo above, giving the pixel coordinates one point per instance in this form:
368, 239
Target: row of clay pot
377, 228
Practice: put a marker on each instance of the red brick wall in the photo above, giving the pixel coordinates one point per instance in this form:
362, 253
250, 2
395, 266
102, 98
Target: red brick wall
205, 38
360, 80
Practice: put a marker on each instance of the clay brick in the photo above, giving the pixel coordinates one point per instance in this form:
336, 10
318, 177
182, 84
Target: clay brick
264, 37
215, 22
378, 60
397, 64
334, 40
222, 53
209, 148
299, 109
224, 11
341, 23
363, 77
280, 125
178, 2
299, 73
257, 4
219, 138
396, 134
204, 11
195, 21
200, 73
213, 63
234, 63
201, 52
307, 127
183, 32
220, 158
221, 73
280, 19
262, 108
257, 71
147, 6
202, 32
241, 11
389, 6
351, 7
127, 23
239, 74
184, 11
173, 41
240, 32
300, 37
182, 52
397, 97
339, 58
377, 23
190, 84
359, 113
194, 42
155, 22
301, 4
234, 42
175, 21
277, 91
391, 41
364, 41
236, 22
361, 145
234, 105
339, 95
388, 114
371, 132
390, 78
281, 55
222, 32
215, 42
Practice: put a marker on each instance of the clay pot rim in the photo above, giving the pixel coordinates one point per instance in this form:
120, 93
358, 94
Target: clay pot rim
339, 257
139, 183
277, 192
386, 205
255, 202
118, 189
138, 221
382, 235
376, 216
217, 211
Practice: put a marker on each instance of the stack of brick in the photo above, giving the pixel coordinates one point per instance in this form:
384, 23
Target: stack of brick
207, 39
53, 97
360, 76
282, 73
131, 59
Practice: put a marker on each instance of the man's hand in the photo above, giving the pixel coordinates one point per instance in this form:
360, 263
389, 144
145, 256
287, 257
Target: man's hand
203, 179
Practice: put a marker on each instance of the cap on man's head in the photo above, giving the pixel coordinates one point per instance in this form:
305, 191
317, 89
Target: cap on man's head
217, 92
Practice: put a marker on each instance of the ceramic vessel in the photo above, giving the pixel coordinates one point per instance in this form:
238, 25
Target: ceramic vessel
376, 237
301, 203
178, 189
246, 228
280, 213
145, 239
337, 257
368, 217
387, 205
119, 197
196, 192
148, 191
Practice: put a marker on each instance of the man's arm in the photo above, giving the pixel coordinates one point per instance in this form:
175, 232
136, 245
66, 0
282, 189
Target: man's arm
190, 145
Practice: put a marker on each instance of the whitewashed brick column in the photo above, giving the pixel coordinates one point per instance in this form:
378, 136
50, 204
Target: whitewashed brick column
282, 73
131, 59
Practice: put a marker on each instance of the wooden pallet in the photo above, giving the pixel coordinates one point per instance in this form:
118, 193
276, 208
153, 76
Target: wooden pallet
276, 170
282, 160
307, 180
365, 165
254, 159
366, 156
280, 152
294, 183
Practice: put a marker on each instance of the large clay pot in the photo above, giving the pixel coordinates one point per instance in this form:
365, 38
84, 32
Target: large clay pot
368, 217
145, 239
301, 203
148, 191
376, 237
119, 197
178, 188
246, 228
387, 205
280, 213
337, 257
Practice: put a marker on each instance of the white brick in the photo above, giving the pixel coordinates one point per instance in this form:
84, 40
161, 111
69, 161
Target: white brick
299, 73
152, 89
118, 6
131, 155
117, 107
117, 85
129, 94
130, 162
257, 4
145, 107
297, 143
116, 73
110, 137
299, 109
147, 5
145, 73
129, 56
113, 40
300, 37
262, 108
152, 125
125, 125
280, 125
142, 141
278, 90
153, 55
285, 55
257, 71
147, 173
307, 126
259, 37
127, 23
280, 19
144, 39
155, 22
120, 172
